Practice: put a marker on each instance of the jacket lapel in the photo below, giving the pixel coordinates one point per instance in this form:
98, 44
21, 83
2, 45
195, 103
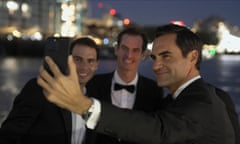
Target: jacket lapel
139, 93
106, 88
67, 117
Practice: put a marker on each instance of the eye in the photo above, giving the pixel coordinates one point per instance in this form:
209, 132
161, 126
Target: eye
91, 61
166, 56
76, 59
136, 50
153, 57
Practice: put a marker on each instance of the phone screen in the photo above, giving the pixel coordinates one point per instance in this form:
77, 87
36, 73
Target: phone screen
58, 49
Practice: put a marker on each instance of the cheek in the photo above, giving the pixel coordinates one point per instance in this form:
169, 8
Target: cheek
93, 68
78, 67
182, 70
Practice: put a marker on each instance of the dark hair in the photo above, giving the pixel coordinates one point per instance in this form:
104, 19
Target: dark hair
186, 40
87, 42
133, 31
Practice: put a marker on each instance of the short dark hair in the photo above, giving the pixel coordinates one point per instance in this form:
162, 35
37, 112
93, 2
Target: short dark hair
186, 40
85, 41
136, 32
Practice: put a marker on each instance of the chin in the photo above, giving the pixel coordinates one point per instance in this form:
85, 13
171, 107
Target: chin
162, 83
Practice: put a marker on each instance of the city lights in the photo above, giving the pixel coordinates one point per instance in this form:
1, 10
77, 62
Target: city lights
126, 21
12, 6
112, 11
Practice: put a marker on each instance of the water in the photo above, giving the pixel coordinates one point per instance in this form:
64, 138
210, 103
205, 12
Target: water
223, 71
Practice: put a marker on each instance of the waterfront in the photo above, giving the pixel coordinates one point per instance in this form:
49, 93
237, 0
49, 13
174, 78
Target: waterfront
222, 70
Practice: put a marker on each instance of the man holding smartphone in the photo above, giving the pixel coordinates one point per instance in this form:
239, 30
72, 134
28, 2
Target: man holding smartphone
34, 120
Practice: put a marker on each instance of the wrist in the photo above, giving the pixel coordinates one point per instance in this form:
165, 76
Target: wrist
89, 109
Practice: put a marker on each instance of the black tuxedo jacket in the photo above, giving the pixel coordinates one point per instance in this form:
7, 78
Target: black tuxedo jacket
34, 120
230, 106
197, 116
148, 97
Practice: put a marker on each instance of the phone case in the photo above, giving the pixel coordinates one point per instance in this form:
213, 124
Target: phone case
58, 49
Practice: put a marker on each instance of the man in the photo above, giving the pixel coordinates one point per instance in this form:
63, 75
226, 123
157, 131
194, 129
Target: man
193, 112
144, 94
33, 120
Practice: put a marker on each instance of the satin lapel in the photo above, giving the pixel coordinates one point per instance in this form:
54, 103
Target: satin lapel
139, 93
67, 117
106, 88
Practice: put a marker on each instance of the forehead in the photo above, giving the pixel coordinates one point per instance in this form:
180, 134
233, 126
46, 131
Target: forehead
84, 50
128, 39
164, 43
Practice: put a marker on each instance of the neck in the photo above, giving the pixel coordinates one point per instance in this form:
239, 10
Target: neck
174, 87
126, 76
83, 88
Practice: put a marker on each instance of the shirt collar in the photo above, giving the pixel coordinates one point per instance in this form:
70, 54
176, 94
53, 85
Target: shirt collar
183, 86
117, 79
84, 90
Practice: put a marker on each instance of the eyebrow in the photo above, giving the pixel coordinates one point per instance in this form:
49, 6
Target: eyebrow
163, 53
91, 58
124, 46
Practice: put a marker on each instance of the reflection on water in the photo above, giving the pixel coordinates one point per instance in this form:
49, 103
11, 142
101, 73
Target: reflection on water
15, 72
223, 71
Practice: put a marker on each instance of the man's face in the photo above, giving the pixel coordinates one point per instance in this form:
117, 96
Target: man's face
170, 67
129, 53
86, 61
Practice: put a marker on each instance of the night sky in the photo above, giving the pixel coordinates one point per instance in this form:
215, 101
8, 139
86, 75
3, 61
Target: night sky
156, 12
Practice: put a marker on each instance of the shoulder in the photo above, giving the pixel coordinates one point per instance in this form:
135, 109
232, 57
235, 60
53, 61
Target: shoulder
150, 86
30, 93
98, 81
147, 81
102, 76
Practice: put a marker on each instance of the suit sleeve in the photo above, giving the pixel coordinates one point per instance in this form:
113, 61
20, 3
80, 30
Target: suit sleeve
140, 127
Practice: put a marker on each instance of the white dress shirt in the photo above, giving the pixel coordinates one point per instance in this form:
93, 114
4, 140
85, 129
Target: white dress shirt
123, 98
183, 86
78, 127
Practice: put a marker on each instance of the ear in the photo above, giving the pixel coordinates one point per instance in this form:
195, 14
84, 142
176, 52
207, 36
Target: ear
145, 54
194, 56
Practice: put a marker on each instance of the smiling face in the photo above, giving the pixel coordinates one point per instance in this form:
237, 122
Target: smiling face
86, 62
129, 53
170, 67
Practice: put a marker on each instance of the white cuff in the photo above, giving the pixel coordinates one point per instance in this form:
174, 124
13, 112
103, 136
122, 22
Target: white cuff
95, 111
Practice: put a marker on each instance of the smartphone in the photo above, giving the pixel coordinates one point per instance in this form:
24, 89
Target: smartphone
58, 49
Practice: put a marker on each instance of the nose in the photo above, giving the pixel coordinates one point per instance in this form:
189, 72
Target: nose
129, 53
82, 64
157, 64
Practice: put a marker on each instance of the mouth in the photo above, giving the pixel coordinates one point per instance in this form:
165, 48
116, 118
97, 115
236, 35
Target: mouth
160, 73
128, 61
82, 74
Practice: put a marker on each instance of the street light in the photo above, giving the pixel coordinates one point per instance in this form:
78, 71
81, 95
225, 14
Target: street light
12, 7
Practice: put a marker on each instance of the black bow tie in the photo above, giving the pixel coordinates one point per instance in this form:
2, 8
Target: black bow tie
129, 88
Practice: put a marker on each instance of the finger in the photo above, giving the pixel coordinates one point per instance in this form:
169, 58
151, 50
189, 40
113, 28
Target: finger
49, 97
55, 100
45, 75
45, 78
53, 67
72, 67
42, 83
49, 83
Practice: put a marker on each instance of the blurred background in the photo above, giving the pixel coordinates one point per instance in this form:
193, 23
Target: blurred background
25, 24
